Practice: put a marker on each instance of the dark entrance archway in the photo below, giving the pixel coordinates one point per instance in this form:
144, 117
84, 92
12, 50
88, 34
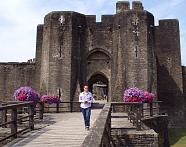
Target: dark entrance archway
100, 82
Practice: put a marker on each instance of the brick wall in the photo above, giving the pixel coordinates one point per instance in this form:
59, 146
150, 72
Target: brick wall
121, 137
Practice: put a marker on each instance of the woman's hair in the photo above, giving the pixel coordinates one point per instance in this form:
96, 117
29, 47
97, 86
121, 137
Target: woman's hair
85, 85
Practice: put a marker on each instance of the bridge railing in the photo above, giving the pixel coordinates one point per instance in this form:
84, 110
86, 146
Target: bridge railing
151, 109
137, 111
11, 118
64, 106
100, 134
133, 110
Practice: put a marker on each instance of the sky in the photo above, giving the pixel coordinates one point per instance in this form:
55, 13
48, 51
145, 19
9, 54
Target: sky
19, 20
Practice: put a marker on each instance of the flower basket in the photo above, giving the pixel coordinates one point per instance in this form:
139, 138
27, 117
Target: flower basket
26, 94
148, 96
137, 95
49, 99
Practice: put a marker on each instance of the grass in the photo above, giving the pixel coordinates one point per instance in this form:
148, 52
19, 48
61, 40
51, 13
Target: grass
177, 137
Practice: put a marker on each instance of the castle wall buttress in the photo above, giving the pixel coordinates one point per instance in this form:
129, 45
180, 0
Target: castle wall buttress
133, 51
184, 86
78, 62
170, 81
39, 42
56, 54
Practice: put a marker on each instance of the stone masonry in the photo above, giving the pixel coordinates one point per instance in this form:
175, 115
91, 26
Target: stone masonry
124, 50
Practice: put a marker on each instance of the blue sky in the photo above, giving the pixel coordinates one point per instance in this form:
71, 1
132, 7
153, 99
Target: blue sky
19, 19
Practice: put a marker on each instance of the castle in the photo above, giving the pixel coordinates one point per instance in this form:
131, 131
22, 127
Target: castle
125, 49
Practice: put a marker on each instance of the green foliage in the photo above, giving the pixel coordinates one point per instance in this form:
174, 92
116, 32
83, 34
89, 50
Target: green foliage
177, 137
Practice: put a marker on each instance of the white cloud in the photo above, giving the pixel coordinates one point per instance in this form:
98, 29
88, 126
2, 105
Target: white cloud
176, 2
183, 44
19, 19
17, 36
166, 9
172, 9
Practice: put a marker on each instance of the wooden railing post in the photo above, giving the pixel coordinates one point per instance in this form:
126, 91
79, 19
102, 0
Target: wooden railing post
14, 122
31, 117
4, 117
151, 109
71, 107
158, 110
109, 125
134, 108
138, 117
113, 108
142, 111
57, 108
41, 110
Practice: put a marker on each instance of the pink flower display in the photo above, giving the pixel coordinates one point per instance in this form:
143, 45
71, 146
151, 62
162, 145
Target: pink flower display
50, 99
137, 95
26, 94
148, 96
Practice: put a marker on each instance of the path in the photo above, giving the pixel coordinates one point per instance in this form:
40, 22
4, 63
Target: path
67, 130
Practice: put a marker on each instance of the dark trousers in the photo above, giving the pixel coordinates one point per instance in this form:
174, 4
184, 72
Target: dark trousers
86, 114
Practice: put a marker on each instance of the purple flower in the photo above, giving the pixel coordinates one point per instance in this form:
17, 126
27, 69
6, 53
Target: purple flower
50, 99
133, 95
148, 96
26, 94
137, 95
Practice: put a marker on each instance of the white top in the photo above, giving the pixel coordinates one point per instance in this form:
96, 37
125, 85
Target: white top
85, 96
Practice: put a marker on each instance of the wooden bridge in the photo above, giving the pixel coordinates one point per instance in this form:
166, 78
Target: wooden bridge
67, 128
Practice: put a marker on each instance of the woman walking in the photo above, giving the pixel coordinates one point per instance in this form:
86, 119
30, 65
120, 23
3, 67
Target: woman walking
86, 99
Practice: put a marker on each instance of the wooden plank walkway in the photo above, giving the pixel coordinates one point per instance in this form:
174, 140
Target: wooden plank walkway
67, 130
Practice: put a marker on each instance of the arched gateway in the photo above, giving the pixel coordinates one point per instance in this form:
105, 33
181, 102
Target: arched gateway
98, 84
98, 72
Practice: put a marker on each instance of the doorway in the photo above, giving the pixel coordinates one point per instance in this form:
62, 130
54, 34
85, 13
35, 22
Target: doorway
98, 85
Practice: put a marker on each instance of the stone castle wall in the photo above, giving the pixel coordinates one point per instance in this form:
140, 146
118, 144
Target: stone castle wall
133, 50
170, 78
14, 75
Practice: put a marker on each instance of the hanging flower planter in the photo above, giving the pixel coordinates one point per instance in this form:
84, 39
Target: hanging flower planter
50, 99
148, 96
26, 94
137, 95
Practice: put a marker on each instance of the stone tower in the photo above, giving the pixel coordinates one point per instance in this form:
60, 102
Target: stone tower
119, 51
170, 78
134, 61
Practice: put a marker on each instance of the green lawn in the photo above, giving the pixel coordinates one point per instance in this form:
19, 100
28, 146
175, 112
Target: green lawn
177, 137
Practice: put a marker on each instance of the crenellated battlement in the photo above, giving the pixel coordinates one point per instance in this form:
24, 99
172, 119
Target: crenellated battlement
107, 19
184, 70
91, 19
168, 23
137, 5
122, 6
